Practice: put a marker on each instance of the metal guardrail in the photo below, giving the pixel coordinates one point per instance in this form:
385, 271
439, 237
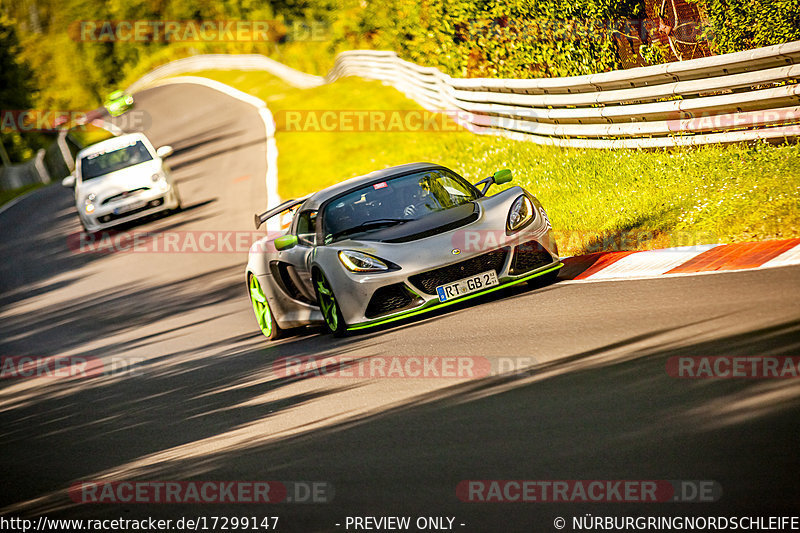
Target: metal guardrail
743, 96
227, 62
735, 97
55, 162
27, 173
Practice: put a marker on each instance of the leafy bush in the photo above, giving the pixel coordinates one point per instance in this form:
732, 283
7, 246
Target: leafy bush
485, 38
743, 24
465, 38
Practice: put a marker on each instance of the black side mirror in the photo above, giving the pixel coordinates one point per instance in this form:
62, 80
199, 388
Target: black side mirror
500, 177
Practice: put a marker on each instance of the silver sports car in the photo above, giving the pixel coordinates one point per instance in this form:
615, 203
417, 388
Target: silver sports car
395, 243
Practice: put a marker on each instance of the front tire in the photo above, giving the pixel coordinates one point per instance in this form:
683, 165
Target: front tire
334, 320
264, 316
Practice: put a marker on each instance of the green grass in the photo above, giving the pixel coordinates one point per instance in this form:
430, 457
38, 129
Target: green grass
7, 196
596, 199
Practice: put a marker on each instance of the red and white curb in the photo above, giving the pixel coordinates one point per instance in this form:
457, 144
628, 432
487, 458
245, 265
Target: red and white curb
680, 261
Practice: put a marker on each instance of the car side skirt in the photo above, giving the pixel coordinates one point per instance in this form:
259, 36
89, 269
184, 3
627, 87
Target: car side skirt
413, 312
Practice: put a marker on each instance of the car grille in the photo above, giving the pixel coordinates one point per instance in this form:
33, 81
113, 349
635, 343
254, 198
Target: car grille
125, 194
529, 256
389, 299
111, 216
428, 281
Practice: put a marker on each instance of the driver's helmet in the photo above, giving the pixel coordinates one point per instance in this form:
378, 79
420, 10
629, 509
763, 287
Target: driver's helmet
425, 183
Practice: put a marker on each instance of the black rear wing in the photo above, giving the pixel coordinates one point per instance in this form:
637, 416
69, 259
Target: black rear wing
285, 206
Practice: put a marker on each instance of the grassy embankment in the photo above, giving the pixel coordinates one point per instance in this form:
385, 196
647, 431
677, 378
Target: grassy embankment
597, 199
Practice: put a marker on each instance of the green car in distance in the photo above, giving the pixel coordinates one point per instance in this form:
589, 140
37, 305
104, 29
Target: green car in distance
118, 103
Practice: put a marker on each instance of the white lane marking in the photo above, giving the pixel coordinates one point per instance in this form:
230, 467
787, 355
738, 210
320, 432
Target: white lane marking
787, 258
651, 262
273, 198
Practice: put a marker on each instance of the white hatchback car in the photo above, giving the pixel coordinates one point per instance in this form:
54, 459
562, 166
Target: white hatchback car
121, 179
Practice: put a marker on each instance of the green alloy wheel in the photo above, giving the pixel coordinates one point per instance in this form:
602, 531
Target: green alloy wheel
329, 307
264, 316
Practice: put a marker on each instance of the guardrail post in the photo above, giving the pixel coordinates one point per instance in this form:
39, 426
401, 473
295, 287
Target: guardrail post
41, 168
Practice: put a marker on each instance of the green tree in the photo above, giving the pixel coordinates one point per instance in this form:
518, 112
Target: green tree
16, 94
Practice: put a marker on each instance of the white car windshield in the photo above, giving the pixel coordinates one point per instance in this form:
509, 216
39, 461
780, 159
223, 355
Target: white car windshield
95, 165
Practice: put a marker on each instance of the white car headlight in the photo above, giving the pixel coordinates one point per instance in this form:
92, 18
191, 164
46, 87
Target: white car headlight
161, 181
88, 203
520, 215
360, 262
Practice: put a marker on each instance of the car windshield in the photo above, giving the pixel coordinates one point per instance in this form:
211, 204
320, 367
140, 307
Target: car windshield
95, 165
394, 201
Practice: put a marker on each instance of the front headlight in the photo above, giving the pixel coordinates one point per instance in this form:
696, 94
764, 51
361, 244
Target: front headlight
520, 215
360, 262
88, 203
161, 181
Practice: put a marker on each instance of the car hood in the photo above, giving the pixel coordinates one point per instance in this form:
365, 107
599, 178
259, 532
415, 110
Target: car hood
486, 232
120, 181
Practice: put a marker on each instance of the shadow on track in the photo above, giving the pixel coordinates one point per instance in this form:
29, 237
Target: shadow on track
608, 413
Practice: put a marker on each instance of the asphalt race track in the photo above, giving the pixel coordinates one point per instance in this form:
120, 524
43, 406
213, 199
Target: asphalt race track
590, 398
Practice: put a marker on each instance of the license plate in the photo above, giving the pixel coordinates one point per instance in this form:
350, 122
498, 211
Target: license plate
467, 285
128, 207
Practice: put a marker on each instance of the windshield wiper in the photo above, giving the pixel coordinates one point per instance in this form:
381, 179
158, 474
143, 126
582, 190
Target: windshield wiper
370, 224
